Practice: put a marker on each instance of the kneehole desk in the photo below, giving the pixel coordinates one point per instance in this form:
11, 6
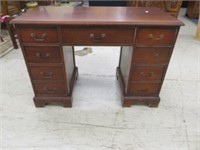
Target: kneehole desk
146, 35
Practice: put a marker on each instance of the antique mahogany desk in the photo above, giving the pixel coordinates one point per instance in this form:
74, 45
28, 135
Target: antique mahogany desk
146, 35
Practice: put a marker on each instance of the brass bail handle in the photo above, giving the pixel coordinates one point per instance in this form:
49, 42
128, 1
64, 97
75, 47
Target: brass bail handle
38, 39
151, 36
96, 38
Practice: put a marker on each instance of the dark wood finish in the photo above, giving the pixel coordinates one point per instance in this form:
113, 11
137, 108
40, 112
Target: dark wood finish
151, 55
156, 36
97, 36
47, 73
50, 89
128, 100
147, 40
192, 9
144, 89
104, 16
38, 34
42, 101
146, 73
43, 54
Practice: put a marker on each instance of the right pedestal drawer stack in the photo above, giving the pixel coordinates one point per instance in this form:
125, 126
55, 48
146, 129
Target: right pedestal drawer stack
150, 58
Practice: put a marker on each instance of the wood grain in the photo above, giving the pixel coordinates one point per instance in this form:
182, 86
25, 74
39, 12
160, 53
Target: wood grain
97, 16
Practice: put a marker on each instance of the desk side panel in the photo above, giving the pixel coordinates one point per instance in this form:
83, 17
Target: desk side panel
125, 64
68, 52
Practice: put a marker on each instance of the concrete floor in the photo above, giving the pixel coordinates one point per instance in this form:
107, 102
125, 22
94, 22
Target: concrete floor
97, 121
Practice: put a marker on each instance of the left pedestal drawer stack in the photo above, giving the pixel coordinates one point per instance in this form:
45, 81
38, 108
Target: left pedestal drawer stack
43, 54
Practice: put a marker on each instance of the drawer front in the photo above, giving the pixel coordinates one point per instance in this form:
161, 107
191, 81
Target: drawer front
98, 36
50, 89
151, 55
43, 54
39, 35
47, 73
156, 37
144, 89
147, 73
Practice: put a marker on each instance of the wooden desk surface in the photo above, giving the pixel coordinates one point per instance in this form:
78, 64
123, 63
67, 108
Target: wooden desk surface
97, 16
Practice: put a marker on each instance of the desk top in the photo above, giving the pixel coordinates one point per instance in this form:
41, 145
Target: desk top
61, 15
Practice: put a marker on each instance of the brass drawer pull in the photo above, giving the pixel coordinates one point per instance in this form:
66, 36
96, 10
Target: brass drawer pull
146, 75
47, 75
156, 55
97, 39
50, 91
38, 39
151, 36
46, 55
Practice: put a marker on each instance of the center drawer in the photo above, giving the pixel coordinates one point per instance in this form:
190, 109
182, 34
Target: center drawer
98, 36
47, 73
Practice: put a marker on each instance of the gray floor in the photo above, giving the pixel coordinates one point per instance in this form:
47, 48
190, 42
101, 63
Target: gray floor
97, 121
